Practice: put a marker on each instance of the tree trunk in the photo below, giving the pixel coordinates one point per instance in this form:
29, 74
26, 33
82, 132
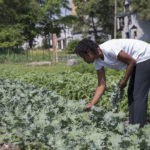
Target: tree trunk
54, 39
30, 43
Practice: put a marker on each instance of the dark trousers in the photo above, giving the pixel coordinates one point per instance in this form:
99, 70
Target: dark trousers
138, 89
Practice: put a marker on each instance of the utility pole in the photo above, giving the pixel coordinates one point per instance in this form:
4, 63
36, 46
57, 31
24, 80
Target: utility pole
115, 20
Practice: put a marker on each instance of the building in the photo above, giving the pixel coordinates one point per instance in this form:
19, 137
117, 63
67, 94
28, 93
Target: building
68, 34
130, 25
64, 37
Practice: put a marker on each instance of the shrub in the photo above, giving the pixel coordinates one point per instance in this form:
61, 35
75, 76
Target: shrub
71, 45
3, 59
83, 67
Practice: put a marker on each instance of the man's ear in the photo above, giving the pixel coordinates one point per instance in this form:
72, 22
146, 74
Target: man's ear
90, 52
98, 51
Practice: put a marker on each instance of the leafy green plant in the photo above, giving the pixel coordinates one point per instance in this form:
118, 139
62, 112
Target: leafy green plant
83, 67
35, 118
71, 45
70, 85
116, 96
3, 58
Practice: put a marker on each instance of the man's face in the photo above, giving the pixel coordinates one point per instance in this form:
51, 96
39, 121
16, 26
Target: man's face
89, 57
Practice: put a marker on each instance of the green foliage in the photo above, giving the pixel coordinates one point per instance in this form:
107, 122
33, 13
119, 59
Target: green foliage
3, 59
83, 67
71, 85
93, 14
11, 36
116, 96
35, 118
21, 21
18, 22
72, 45
52, 19
142, 7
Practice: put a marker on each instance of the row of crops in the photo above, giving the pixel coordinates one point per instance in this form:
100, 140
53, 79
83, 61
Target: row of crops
43, 110
72, 85
36, 118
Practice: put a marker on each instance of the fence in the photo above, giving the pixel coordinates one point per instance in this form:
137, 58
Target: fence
19, 55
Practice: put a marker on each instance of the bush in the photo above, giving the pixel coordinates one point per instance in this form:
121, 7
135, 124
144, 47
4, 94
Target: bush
3, 59
72, 45
83, 67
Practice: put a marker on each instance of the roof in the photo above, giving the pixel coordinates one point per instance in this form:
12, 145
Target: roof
127, 2
123, 14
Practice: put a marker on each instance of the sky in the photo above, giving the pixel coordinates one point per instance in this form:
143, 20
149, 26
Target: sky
65, 11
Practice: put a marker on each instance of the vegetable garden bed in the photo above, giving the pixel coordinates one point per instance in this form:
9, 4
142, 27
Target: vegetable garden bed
35, 118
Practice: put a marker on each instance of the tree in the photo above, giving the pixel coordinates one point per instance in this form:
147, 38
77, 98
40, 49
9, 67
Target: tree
90, 16
10, 30
29, 17
52, 21
25, 19
94, 15
20, 19
8, 36
142, 7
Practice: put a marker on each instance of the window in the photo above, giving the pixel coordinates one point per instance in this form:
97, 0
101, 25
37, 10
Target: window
121, 23
127, 8
134, 34
134, 31
129, 20
59, 44
127, 34
64, 43
59, 35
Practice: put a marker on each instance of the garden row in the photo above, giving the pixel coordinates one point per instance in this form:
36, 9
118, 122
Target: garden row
36, 118
72, 85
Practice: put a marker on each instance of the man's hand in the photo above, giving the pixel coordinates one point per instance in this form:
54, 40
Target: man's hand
88, 106
123, 84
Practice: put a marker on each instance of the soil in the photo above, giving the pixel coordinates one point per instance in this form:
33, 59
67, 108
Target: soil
7, 147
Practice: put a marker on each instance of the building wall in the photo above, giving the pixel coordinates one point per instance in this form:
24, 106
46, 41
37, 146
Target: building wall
64, 37
133, 26
142, 29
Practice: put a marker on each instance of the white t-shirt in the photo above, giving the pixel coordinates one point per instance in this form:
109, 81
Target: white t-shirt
139, 50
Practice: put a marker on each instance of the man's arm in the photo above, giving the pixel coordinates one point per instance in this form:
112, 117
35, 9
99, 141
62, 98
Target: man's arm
127, 59
100, 88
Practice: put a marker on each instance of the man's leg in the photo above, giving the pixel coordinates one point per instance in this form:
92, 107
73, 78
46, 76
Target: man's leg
130, 97
140, 93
